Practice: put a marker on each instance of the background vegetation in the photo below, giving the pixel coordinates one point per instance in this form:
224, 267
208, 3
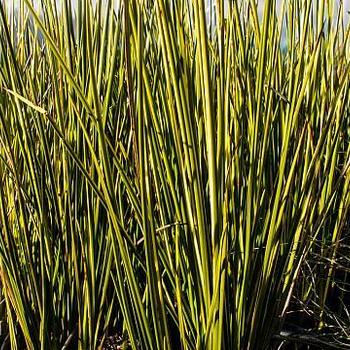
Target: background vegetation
168, 183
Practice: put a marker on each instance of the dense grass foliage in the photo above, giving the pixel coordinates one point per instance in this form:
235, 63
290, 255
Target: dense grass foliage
169, 182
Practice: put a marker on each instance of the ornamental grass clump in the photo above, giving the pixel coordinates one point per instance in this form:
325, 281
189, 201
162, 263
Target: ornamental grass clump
167, 179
